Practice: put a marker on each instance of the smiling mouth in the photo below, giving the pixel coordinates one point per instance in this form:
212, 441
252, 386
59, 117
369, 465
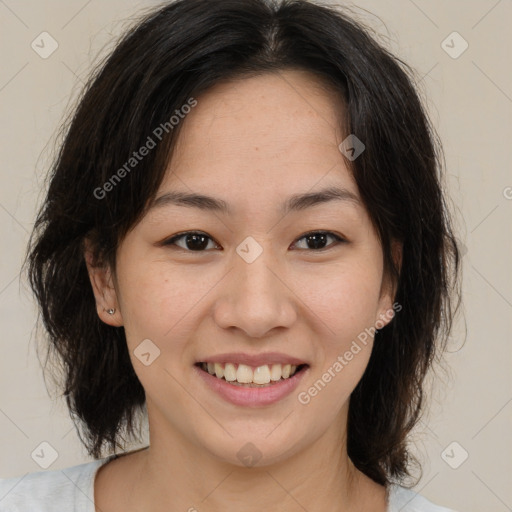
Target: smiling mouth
247, 376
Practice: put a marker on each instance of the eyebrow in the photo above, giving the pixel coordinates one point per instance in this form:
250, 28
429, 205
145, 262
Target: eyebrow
296, 202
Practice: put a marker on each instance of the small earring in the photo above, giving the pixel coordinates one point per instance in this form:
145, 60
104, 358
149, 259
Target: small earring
110, 311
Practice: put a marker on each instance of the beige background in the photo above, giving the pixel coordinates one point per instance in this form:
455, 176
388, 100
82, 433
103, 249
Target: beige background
470, 99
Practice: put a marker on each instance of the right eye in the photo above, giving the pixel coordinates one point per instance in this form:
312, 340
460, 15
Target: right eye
193, 241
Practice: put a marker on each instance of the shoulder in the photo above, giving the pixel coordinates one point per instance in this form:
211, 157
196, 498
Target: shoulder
70, 488
406, 500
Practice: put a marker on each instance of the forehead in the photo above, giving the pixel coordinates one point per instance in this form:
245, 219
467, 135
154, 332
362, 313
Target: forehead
277, 131
274, 108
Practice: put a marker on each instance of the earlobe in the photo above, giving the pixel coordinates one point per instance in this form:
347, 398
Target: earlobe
385, 317
386, 314
103, 288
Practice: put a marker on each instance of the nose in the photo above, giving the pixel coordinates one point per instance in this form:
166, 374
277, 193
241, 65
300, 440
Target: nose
256, 297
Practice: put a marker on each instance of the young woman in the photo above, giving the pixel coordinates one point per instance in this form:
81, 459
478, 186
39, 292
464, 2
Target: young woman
245, 237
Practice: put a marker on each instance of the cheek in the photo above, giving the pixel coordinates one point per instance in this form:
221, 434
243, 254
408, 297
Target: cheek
160, 301
346, 306
345, 300
159, 306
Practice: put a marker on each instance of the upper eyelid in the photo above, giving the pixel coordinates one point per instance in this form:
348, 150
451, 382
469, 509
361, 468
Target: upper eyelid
180, 235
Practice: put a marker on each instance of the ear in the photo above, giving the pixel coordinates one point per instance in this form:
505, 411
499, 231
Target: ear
102, 281
387, 306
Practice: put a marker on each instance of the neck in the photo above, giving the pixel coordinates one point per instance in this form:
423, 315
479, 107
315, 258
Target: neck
176, 475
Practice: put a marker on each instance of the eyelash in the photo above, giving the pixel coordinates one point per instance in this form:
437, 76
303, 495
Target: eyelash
338, 239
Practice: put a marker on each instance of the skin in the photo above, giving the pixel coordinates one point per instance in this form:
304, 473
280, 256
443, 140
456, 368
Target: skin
251, 143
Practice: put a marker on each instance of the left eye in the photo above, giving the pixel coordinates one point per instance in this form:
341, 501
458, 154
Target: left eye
196, 241
319, 238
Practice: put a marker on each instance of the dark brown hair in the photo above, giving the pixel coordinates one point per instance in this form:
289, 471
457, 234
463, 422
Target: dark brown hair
172, 55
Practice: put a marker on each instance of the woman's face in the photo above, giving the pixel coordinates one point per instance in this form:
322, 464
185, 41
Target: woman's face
251, 288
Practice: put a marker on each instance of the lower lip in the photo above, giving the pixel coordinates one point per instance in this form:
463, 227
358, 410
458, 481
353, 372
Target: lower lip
252, 397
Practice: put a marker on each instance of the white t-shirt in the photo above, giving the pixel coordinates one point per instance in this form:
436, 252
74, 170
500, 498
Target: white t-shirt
72, 490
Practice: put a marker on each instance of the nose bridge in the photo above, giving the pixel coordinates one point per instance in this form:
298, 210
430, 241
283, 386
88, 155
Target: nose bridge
252, 266
257, 299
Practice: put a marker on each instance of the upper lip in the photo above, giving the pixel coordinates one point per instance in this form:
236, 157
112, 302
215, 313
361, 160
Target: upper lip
253, 360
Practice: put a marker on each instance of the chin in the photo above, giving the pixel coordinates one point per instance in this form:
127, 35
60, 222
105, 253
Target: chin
254, 450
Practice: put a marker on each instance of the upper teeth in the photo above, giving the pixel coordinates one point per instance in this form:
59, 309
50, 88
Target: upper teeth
245, 374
